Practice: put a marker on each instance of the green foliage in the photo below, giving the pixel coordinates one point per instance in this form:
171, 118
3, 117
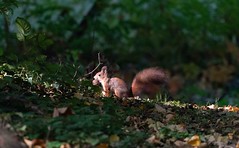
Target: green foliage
7, 6
36, 41
24, 29
172, 31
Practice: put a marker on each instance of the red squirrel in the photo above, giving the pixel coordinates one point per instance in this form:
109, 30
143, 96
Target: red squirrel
147, 82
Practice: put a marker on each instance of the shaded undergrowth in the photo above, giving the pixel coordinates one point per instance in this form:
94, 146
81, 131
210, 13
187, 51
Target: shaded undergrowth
78, 116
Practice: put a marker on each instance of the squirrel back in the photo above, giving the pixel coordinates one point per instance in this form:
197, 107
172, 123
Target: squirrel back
147, 82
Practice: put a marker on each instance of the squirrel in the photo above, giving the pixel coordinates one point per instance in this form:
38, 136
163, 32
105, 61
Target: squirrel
147, 82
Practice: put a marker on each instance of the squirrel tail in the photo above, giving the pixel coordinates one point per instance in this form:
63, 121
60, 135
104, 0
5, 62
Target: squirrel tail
149, 82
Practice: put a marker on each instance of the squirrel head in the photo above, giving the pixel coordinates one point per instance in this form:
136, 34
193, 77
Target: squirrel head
101, 76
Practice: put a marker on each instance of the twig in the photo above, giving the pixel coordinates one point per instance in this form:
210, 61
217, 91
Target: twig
76, 72
48, 134
99, 63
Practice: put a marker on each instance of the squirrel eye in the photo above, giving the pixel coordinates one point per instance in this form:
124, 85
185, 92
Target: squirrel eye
99, 75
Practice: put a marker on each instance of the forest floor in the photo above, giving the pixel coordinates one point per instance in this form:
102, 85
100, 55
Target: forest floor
61, 115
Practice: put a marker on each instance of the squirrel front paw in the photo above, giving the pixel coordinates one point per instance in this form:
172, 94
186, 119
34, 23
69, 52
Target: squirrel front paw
106, 94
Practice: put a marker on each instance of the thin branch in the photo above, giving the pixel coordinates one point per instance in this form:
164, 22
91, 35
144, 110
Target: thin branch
76, 72
99, 63
48, 134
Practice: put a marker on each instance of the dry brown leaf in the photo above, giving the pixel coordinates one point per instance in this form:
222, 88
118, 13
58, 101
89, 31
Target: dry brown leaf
102, 145
114, 138
203, 145
28, 142
87, 103
230, 136
65, 145
142, 107
234, 109
179, 127
194, 141
172, 127
222, 140
160, 109
99, 103
64, 111
236, 122
211, 106
237, 146
210, 138
150, 121
35, 143
231, 108
179, 143
153, 139
169, 117
78, 95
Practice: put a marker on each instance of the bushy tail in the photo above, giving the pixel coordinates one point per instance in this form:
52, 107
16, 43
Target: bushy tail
149, 82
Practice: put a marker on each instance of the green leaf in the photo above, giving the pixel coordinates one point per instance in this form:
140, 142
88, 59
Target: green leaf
20, 37
43, 41
23, 27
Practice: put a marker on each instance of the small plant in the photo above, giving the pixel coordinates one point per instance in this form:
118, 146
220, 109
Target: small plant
25, 34
6, 6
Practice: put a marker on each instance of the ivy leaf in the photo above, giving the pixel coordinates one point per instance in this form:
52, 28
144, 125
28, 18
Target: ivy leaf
20, 37
23, 27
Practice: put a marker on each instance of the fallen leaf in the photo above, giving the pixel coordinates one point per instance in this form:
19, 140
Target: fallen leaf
35, 143
169, 117
150, 121
78, 95
181, 128
87, 103
142, 107
179, 143
210, 139
237, 146
230, 136
203, 145
160, 109
65, 145
99, 103
102, 145
28, 142
234, 109
153, 139
211, 106
194, 141
114, 138
222, 140
64, 111
236, 122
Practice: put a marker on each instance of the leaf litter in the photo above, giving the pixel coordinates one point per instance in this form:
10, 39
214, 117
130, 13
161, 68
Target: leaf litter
90, 121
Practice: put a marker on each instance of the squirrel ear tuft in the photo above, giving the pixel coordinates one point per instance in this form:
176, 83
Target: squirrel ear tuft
104, 68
